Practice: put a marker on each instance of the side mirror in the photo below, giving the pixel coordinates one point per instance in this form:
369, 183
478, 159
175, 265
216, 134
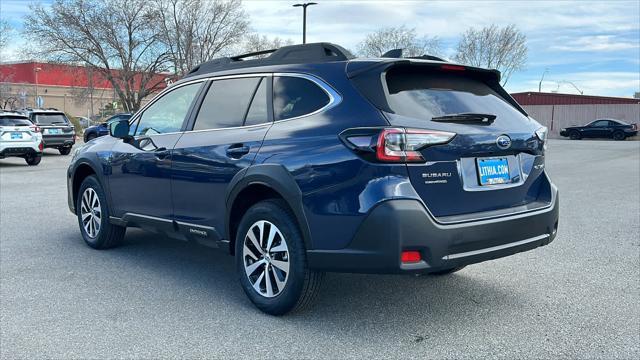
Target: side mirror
119, 129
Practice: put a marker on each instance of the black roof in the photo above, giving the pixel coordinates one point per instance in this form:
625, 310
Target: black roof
293, 54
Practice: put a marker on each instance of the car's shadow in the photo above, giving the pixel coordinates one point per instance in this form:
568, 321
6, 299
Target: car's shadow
404, 299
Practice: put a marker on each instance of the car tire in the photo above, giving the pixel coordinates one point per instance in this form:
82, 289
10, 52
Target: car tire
260, 270
33, 160
65, 150
97, 232
618, 135
90, 137
574, 135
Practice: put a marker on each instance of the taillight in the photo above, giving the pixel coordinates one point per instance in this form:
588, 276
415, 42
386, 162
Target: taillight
542, 134
404, 145
35, 129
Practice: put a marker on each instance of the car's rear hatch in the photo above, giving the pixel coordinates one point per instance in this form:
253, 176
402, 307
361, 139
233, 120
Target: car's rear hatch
493, 165
53, 124
16, 130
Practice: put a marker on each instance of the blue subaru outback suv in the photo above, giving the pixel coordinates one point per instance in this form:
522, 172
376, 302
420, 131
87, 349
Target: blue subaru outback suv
310, 160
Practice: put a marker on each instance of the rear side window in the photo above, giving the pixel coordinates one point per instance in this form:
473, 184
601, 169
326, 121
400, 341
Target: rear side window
50, 119
226, 103
258, 111
295, 96
600, 123
14, 121
424, 95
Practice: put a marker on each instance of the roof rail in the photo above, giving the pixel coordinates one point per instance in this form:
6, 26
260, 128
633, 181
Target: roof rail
251, 54
293, 54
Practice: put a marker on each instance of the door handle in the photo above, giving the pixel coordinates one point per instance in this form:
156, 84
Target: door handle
237, 151
161, 153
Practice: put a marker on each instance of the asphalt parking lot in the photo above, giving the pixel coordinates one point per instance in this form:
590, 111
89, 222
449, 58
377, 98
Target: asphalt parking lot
159, 298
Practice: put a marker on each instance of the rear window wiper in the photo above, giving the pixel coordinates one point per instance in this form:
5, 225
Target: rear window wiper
485, 119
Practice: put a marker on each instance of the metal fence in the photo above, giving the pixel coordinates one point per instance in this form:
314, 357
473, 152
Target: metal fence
555, 117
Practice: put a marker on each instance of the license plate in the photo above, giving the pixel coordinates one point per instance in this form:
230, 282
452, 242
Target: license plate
493, 171
16, 135
53, 131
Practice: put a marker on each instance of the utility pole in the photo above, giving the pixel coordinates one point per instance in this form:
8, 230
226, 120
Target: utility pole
36, 70
304, 19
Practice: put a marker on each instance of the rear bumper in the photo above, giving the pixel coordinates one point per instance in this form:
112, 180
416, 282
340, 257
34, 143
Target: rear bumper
19, 149
397, 225
58, 140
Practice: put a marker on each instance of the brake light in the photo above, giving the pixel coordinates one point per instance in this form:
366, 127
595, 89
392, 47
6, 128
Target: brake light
35, 128
453, 67
410, 257
404, 145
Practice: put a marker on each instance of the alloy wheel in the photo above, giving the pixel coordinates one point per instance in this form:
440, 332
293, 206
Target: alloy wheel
265, 256
91, 212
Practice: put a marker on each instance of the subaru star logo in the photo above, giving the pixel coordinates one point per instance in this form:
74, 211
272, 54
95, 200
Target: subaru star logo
503, 142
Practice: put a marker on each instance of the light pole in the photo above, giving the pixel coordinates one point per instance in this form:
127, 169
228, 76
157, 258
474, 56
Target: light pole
36, 70
574, 85
542, 78
304, 19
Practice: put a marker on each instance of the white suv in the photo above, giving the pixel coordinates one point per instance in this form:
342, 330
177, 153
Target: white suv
19, 137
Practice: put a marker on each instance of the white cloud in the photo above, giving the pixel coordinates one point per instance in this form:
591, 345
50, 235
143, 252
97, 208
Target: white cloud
604, 83
602, 43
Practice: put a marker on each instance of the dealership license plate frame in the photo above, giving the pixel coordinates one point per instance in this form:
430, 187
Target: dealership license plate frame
489, 180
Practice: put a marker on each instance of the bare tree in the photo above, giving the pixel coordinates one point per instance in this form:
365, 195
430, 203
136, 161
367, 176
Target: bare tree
5, 33
401, 37
195, 31
255, 42
493, 47
117, 38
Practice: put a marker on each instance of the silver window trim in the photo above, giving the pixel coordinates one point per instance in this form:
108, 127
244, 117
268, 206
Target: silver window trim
334, 98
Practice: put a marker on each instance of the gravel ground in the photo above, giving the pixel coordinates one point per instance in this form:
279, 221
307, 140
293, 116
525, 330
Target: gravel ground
158, 298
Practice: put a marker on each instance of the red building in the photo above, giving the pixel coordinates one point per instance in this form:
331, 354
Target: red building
76, 89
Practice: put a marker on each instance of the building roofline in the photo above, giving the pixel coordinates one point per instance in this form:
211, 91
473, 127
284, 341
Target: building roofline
573, 95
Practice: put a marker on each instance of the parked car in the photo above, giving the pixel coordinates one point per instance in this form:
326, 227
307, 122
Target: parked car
601, 128
102, 129
19, 137
310, 161
57, 130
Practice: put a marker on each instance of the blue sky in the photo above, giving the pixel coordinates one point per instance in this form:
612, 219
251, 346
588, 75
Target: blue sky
593, 44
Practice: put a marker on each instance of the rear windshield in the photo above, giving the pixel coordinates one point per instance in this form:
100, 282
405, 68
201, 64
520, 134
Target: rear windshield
50, 119
14, 121
424, 95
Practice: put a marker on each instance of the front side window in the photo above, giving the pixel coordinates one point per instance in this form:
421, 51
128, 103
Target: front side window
296, 96
167, 114
226, 103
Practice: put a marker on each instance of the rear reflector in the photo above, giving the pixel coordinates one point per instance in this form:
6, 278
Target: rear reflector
411, 257
41, 146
